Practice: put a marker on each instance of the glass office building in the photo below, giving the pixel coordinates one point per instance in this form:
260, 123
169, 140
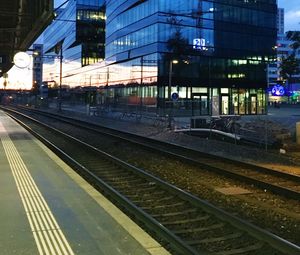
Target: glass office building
221, 49
78, 32
210, 56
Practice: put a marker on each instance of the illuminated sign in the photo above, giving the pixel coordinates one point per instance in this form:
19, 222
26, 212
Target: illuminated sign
22, 60
278, 90
199, 44
175, 96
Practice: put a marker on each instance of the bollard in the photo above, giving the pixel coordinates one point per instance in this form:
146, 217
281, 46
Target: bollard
298, 132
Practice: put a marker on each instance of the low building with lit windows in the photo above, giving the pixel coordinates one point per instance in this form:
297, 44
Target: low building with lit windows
291, 92
278, 89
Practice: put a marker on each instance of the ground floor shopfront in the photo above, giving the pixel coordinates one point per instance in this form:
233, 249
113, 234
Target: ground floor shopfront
193, 101
203, 87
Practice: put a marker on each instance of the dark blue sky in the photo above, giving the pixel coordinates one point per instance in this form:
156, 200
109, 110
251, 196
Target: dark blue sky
291, 7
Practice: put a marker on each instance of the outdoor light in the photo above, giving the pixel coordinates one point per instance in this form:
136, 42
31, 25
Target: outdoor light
22, 60
174, 61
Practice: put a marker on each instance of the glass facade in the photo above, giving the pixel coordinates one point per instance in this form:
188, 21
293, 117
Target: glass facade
81, 28
222, 48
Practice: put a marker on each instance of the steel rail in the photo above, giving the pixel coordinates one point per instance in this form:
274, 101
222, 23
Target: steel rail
273, 240
184, 153
121, 200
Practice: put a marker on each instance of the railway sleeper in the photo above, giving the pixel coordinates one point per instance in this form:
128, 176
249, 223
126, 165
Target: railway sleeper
164, 206
139, 199
147, 184
192, 210
102, 170
99, 162
184, 221
243, 250
215, 239
120, 180
200, 229
113, 174
141, 184
143, 196
127, 190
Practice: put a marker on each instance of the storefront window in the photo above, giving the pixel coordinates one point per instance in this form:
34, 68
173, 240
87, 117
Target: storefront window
235, 102
215, 92
225, 104
253, 104
204, 105
224, 90
261, 102
199, 90
242, 98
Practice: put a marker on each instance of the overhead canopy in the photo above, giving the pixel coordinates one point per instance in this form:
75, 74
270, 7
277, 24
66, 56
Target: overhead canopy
21, 22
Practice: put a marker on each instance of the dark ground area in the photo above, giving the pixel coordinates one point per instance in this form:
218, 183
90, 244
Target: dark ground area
280, 124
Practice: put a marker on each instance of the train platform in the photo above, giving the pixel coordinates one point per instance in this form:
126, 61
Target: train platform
47, 208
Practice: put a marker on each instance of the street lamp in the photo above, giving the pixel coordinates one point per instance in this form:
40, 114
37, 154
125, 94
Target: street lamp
172, 61
58, 50
60, 78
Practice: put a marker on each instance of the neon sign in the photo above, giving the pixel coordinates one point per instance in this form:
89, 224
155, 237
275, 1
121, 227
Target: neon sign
199, 44
278, 90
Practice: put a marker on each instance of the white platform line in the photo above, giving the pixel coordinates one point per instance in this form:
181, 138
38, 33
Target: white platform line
42, 217
152, 246
47, 234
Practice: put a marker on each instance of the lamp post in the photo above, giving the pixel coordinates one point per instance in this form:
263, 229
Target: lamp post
172, 61
60, 79
58, 50
141, 83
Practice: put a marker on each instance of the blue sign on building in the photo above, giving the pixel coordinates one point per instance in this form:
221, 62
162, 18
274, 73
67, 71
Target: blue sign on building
199, 44
174, 96
278, 90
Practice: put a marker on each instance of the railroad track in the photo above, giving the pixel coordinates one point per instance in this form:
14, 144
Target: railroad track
187, 224
280, 183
